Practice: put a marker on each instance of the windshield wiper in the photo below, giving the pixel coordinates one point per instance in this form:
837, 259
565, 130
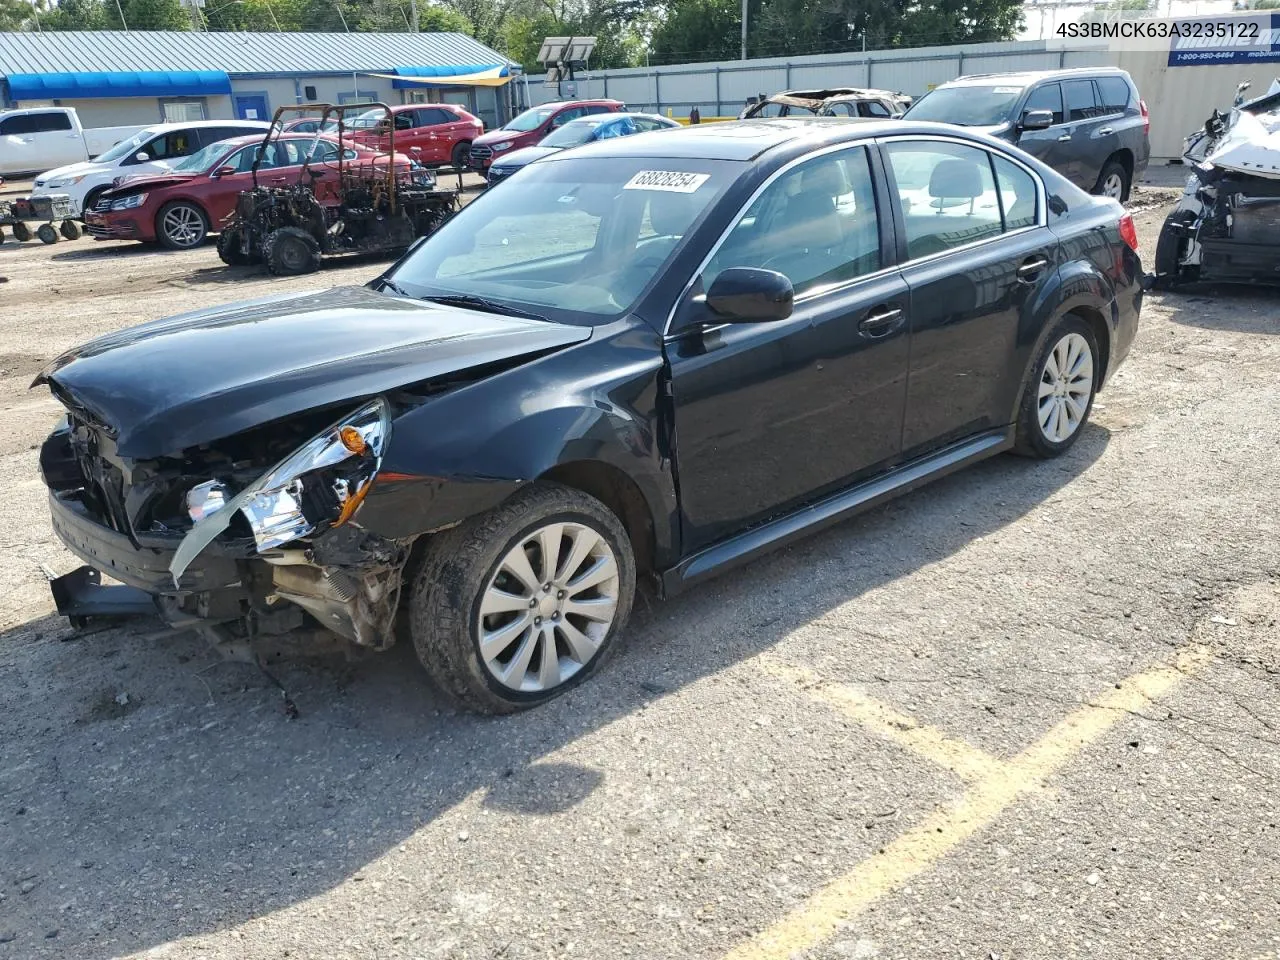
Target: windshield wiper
395, 288
480, 303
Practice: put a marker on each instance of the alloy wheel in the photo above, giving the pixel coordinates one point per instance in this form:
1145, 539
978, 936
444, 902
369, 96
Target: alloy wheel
548, 607
184, 226
1066, 384
1113, 187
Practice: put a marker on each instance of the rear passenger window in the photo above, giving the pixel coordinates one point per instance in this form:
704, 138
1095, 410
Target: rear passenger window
1018, 195
1048, 97
1114, 92
47, 122
1079, 99
816, 224
947, 194
874, 108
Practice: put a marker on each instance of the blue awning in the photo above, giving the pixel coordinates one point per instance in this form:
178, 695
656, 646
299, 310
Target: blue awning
464, 74
143, 83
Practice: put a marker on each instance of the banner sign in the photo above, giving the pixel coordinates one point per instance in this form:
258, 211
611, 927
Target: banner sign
1205, 41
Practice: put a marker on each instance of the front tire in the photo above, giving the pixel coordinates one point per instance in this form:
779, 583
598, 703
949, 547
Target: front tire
516, 606
181, 226
1058, 396
229, 251
291, 251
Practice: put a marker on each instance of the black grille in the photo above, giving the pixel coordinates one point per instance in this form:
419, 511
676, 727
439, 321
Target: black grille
479, 154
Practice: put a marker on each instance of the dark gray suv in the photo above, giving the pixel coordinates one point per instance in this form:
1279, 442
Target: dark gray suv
1088, 124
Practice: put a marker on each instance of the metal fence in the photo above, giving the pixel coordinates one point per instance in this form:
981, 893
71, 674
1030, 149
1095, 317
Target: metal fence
723, 88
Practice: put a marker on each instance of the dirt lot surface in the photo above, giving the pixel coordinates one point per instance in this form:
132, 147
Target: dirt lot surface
1028, 711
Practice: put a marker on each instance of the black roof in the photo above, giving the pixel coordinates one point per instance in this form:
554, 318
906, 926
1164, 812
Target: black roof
745, 140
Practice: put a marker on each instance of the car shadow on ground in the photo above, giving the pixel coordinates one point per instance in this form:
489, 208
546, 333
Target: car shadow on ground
151, 792
221, 273
85, 254
1224, 307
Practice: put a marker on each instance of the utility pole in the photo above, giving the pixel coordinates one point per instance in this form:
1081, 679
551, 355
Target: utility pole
744, 29
123, 22
413, 13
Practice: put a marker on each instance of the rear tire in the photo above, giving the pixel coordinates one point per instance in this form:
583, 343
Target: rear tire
461, 156
291, 251
1114, 181
470, 568
71, 230
181, 226
1058, 395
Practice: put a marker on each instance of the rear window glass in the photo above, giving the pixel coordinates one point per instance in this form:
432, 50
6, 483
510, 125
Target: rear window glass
1115, 94
1079, 98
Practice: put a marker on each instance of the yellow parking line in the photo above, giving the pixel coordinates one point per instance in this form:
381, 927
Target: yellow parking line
915, 851
965, 760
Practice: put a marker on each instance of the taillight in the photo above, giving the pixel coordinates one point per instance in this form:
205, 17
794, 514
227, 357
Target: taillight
1146, 116
1129, 233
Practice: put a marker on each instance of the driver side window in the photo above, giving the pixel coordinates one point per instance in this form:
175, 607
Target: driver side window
816, 224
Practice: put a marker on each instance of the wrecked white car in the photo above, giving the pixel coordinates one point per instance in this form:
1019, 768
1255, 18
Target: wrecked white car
1226, 226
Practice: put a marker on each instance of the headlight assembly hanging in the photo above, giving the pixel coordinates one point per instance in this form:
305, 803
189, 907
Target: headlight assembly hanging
321, 484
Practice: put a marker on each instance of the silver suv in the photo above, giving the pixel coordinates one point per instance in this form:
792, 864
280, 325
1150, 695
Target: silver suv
1088, 124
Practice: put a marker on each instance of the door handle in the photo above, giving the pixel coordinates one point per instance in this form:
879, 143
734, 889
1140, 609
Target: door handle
1104, 131
1064, 138
881, 322
1031, 269
278, 179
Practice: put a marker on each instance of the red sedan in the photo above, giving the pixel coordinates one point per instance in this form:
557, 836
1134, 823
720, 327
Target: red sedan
180, 208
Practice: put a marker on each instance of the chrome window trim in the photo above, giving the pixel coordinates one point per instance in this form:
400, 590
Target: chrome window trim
742, 210
1042, 209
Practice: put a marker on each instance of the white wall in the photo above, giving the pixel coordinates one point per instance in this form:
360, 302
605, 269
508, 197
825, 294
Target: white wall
120, 111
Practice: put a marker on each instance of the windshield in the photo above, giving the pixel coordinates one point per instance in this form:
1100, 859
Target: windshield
967, 105
201, 160
579, 242
530, 119
363, 121
125, 147
571, 134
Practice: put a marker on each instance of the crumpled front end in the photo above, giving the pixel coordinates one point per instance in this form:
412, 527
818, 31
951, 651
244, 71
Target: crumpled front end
216, 538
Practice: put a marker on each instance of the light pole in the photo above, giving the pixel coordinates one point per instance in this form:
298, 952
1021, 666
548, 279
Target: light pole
744, 29
355, 83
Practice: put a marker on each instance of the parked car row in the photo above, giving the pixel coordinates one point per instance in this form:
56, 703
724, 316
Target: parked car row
1089, 124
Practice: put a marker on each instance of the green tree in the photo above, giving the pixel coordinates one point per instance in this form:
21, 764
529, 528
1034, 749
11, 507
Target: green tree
15, 14
74, 15
148, 15
698, 30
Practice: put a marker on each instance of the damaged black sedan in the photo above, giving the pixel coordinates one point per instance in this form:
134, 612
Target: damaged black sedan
656, 357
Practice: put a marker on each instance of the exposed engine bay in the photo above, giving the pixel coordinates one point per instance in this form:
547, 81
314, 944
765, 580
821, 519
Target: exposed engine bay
1226, 226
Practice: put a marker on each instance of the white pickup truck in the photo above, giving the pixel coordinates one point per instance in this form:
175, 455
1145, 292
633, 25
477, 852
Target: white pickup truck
40, 138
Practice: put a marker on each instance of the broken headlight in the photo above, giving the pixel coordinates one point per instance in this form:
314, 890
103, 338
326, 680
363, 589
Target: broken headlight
323, 481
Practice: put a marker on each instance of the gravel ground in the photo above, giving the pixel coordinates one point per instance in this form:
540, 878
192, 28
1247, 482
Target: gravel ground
155, 801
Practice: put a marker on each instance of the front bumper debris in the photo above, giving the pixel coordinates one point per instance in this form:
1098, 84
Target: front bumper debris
81, 594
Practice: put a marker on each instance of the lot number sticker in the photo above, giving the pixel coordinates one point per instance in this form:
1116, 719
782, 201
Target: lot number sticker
672, 181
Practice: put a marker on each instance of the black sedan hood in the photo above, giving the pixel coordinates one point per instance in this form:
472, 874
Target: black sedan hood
171, 384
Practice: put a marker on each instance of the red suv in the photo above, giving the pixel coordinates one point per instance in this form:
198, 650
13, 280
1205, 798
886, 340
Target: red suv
435, 134
531, 126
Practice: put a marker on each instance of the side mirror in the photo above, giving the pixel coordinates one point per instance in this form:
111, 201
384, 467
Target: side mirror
1037, 119
142, 156
224, 171
751, 295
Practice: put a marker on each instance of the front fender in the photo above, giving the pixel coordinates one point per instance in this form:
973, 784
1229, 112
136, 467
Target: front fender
465, 452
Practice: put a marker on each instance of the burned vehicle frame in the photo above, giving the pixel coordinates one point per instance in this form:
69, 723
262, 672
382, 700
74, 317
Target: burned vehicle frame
370, 209
1226, 225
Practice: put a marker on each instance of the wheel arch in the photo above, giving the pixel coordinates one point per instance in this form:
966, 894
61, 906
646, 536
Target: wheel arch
621, 494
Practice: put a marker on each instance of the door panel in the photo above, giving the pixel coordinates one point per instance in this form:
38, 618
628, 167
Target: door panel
1052, 146
974, 287
772, 415
1079, 101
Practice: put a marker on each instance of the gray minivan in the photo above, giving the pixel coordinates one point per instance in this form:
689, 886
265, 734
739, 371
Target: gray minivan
1089, 124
